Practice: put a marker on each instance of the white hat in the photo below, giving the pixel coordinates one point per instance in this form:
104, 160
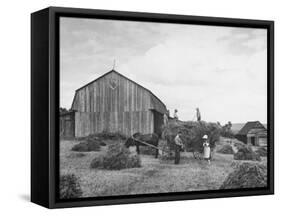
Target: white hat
205, 136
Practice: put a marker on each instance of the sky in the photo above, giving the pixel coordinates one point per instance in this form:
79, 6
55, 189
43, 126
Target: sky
221, 70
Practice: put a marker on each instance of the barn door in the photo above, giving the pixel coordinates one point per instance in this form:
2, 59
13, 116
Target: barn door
158, 122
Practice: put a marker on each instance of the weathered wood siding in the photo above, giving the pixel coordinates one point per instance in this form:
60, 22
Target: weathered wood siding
125, 109
67, 125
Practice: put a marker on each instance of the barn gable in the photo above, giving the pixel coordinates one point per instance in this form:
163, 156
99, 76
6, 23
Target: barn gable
115, 103
114, 79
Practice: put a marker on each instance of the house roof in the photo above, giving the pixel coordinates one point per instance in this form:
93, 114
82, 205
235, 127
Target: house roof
114, 71
250, 125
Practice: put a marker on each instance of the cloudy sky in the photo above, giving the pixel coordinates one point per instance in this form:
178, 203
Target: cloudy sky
221, 70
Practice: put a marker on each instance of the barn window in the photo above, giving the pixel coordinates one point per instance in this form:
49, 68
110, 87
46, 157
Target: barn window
113, 83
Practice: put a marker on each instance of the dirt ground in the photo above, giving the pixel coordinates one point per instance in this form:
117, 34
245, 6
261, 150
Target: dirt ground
155, 176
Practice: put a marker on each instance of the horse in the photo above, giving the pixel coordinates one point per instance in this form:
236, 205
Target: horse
151, 139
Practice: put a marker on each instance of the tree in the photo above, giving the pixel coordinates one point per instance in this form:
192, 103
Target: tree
226, 130
63, 110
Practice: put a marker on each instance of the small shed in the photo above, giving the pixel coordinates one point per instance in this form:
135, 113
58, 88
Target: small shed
253, 133
67, 124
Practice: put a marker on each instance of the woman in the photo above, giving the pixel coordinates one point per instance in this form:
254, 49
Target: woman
207, 149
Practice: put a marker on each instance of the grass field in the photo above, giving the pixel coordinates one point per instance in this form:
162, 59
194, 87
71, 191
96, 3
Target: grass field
155, 176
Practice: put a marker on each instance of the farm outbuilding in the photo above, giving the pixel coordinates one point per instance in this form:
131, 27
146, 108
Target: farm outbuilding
67, 124
253, 133
116, 104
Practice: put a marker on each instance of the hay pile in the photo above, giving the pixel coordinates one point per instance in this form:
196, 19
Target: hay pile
70, 187
192, 133
246, 175
225, 149
76, 155
90, 143
239, 145
262, 151
246, 153
116, 157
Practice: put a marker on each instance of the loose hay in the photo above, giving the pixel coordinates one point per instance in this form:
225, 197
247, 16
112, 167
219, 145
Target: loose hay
239, 145
246, 153
70, 187
225, 149
262, 151
76, 155
246, 175
88, 144
192, 133
116, 157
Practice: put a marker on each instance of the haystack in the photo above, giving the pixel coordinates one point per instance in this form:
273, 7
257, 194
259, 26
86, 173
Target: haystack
225, 149
192, 133
262, 151
246, 175
70, 187
116, 157
246, 153
88, 144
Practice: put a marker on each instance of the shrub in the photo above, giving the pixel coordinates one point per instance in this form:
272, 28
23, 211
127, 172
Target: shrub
88, 144
246, 175
262, 151
70, 187
116, 157
246, 153
225, 149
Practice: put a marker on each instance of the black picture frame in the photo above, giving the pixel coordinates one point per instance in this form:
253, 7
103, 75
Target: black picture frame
45, 105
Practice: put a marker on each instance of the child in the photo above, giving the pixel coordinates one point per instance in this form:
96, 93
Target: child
207, 149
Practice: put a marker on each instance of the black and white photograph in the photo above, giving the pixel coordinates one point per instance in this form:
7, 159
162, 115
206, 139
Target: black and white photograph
156, 108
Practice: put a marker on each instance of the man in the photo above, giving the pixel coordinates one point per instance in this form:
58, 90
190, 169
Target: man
178, 146
176, 114
166, 120
198, 114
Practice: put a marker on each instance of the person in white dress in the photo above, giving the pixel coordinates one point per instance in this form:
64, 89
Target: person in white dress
207, 149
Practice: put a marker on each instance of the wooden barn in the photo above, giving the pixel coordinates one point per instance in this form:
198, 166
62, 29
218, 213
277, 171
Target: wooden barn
114, 103
253, 133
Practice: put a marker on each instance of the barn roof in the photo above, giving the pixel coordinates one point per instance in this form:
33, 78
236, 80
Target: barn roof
154, 97
250, 125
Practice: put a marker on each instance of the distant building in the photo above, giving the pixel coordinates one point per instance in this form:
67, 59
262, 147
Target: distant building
113, 103
253, 133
